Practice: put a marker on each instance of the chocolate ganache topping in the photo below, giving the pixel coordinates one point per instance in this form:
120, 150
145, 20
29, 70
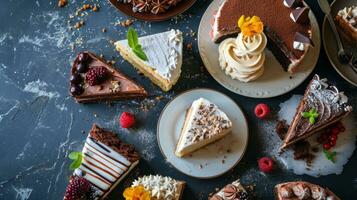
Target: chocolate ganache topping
328, 101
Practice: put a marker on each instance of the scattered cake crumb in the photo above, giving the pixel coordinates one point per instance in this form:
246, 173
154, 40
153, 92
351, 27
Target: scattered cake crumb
62, 3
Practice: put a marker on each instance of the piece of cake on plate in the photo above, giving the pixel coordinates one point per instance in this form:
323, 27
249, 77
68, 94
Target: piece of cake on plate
235, 191
158, 187
322, 105
283, 19
204, 123
347, 22
302, 190
158, 56
103, 163
93, 79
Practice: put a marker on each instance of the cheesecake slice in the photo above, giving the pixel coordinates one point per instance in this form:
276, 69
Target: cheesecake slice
160, 187
234, 191
204, 124
347, 23
164, 57
105, 162
93, 79
302, 190
322, 105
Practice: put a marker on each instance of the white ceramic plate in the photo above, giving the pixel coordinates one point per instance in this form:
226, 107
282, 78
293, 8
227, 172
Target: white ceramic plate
214, 159
330, 43
274, 82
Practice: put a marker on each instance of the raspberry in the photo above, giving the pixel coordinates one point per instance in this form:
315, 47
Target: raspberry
326, 146
77, 188
127, 120
262, 110
266, 164
96, 75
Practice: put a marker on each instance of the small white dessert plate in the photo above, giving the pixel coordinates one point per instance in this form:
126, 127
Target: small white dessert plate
274, 82
210, 161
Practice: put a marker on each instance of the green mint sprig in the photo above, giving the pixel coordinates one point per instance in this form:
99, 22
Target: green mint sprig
312, 115
133, 41
77, 158
330, 155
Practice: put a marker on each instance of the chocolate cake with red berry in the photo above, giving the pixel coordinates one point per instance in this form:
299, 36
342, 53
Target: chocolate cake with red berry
322, 105
302, 190
287, 26
93, 79
104, 162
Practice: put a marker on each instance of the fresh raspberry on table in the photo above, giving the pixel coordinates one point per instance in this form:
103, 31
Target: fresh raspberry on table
266, 164
127, 120
262, 110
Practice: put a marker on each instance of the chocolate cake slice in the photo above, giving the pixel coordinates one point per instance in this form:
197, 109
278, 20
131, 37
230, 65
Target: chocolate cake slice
93, 79
276, 16
322, 105
302, 190
105, 162
234, 190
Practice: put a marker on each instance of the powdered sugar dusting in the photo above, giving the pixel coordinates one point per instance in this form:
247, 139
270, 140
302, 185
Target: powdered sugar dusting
40, 88
147, 142
22, 193
320, 166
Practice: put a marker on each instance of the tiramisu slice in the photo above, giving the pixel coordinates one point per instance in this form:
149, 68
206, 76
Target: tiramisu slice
302, 190
234, 190
159, 187
103, 163
322, 105
160, 59
204, 124
347, 22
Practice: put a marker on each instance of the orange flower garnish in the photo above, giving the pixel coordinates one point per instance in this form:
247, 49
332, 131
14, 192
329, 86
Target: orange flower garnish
250, 26
136, 193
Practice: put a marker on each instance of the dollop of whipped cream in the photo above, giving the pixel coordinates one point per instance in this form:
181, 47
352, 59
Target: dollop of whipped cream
242, 58
160, 187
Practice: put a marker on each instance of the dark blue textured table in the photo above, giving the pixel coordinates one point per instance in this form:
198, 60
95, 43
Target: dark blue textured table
40, 124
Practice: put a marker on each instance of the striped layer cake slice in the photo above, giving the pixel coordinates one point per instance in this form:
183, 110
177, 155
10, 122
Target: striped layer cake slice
106, 161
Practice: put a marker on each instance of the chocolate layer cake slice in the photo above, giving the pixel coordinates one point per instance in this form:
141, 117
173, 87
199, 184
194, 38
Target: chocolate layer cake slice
234, 191
282, 20
93, 80
161, 187
105, 162
302, 190
322, 105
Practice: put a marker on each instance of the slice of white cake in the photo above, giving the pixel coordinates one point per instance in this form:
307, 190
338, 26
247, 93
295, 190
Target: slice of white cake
164, 53
204, 124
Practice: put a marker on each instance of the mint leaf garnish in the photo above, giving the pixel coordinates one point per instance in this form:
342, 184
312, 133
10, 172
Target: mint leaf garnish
133, 41
77, 158
330, 155
311, 115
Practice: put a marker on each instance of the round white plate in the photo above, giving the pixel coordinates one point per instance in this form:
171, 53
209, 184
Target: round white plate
274, 82
330, 43
210, 161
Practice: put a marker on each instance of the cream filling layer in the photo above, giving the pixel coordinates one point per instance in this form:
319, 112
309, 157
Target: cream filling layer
243, 58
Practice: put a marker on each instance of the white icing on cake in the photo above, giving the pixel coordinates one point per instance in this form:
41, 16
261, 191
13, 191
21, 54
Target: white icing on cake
205, 121
350, 15
164, 52
299, 46
101, 165
160, 187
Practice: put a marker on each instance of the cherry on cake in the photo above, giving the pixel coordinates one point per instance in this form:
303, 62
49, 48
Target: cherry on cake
347, 23
282, 20
160, 57
322, 105
93, 79
204, 123
160, 187
234, 191
302, 190
104, 162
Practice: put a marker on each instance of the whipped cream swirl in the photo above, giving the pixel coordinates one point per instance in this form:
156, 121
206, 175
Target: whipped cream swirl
243, 58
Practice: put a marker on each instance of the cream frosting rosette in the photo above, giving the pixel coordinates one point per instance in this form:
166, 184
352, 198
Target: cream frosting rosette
243, 58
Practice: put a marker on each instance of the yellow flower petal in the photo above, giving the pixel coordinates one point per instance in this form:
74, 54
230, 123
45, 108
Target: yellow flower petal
250, 25
241, 21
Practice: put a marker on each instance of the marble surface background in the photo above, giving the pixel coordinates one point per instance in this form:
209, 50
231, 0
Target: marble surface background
40, 123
